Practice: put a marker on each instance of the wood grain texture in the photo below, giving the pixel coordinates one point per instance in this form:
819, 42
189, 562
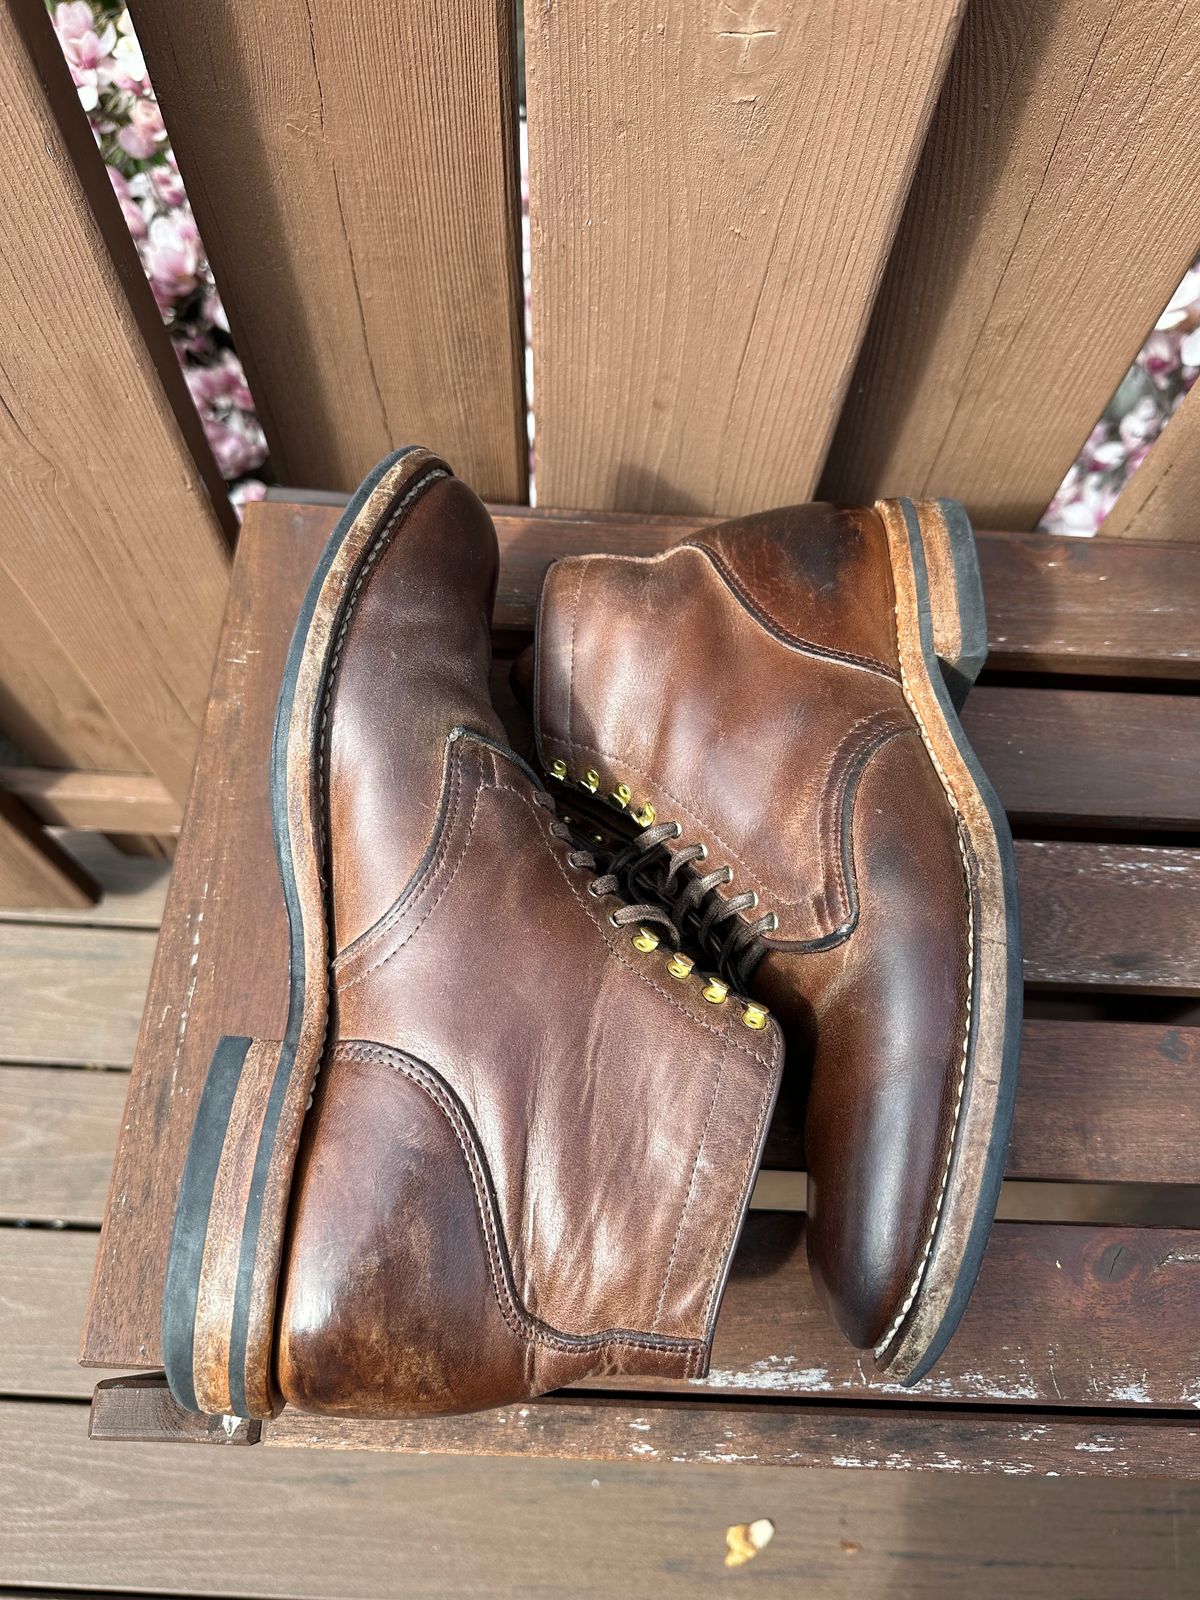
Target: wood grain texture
34, 869
766, 1435
108, 802
1097, 1103
58, 1131
81, 991
44, 1275
1160, 501
695, 1433
113, 544
1090, 759
1043, 210
86, 1514
1111, 917
225, 901
355, 182
713, 192
1076, 606
132, 888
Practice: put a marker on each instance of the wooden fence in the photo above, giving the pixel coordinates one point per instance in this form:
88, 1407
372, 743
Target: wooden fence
777, 248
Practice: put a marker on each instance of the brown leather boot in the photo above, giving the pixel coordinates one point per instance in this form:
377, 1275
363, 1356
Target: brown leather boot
771, 699
534, 1135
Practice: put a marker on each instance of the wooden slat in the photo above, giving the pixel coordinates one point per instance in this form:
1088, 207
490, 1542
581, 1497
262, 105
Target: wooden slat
713, 191
81, 992
1062, 1315
132, 888
34, 869
1043, 236
1098, 1103
86, 1514
107, 802
355, 182
58, 1130
1111, 917
1083, 904
44, 1275
112, 541
1077, 606
1160, 501
690, 1433
1090, 758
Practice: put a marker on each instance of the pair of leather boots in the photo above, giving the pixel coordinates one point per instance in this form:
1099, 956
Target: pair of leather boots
537, 1024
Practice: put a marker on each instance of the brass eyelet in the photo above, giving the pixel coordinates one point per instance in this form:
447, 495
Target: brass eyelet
716, 991
590, 780
596, 894
646, 940
772, 922
680, 966
612, 917
621, 796
728, 871
644, 816
558, 769
703, 849
754, 1016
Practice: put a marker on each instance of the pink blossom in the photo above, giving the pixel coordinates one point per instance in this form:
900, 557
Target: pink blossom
1189, 348
237, 443
135, 221
1141, 424
144, 133
172, 257
129, 66
1160, 353
167, 184
88, 53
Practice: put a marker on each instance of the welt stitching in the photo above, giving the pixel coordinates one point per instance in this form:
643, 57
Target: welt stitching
687, 1199
619, 954
413, 891
960, 824
424, 918
515, 1314
760, 611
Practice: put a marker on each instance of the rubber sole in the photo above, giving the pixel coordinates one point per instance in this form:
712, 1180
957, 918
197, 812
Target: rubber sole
942, 634
231, 1215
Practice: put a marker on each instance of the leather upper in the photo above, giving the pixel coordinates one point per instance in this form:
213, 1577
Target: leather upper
531, 1148
746, 684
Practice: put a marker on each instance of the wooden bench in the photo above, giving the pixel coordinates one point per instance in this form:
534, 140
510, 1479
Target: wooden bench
1080, 1353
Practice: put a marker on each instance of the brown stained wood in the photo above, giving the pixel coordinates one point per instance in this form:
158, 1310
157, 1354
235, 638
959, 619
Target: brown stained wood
1042, 211
1063, 1315
106, 802
44, 1275
1112, 917
113, 543
1160, 501
1054, 605
83, 1513
35, 871
1084, 758
220, 967
691, 1433
58, 1131
355, 183
1097, 1103
141, 1410
713, 193
81, 990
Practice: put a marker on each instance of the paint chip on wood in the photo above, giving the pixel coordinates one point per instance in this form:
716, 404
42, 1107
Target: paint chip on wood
745, 1539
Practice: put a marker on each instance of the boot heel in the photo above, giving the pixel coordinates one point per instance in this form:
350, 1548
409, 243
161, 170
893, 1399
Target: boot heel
219, 1300
955, 594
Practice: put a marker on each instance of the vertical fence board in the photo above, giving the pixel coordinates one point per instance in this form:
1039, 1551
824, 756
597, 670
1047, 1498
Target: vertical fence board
353, 171
714, 190
1056, 207
111, 540
1162, 499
